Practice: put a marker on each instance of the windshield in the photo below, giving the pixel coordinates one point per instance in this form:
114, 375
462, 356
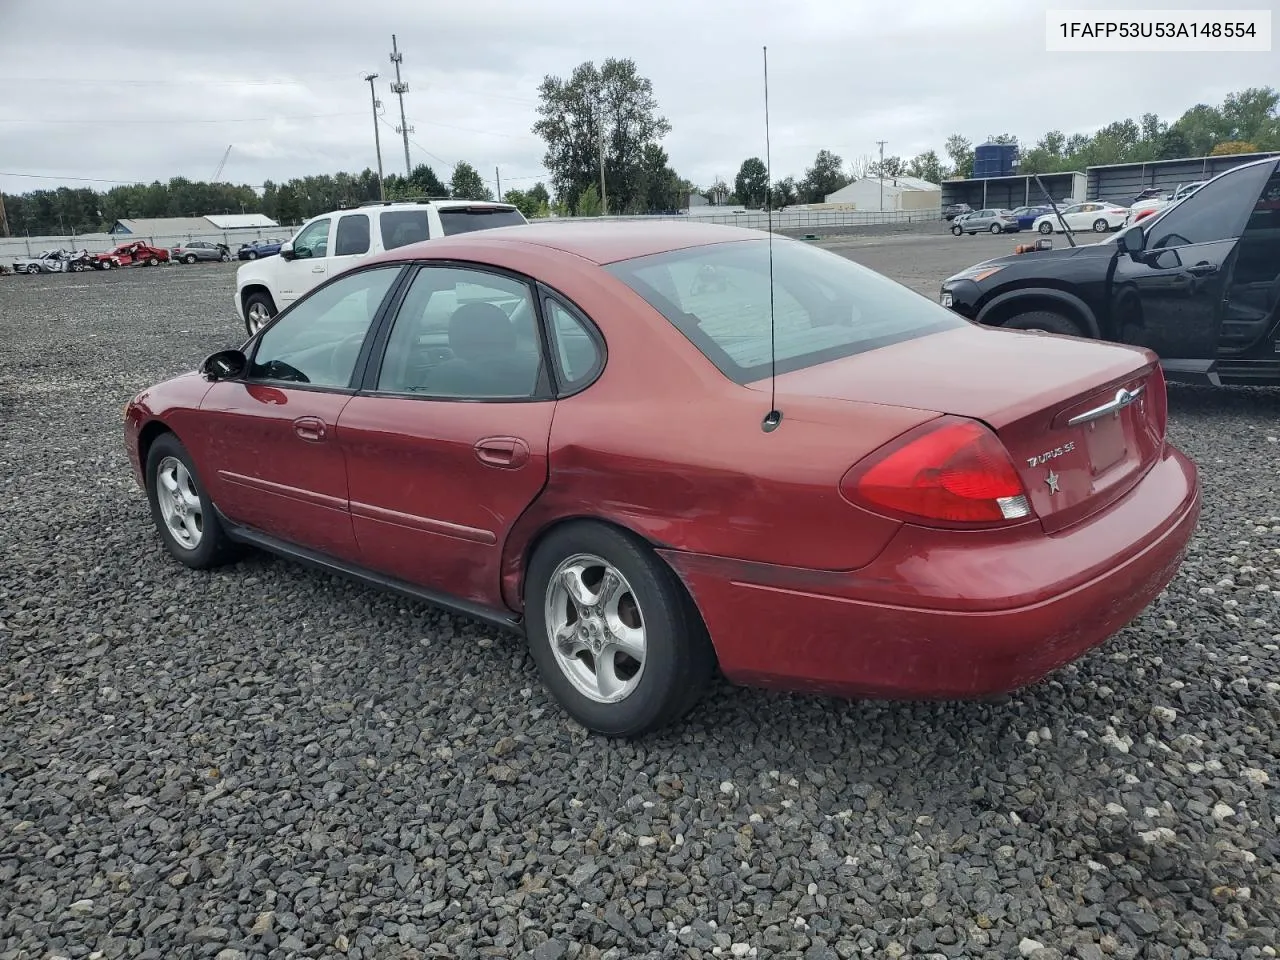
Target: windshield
825, 307
467, 219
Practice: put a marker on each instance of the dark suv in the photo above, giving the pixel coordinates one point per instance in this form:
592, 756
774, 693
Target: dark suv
1198, 283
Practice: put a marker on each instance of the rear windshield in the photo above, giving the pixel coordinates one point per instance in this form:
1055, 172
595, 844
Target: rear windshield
825, 306
402, 227
466, 219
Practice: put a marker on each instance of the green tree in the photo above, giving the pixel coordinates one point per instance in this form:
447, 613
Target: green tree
752, 182
960, 150
609, 110
927, 166
540, 199
785, 193
824, 177
1250, 115
588, 203
889, 167
467, 184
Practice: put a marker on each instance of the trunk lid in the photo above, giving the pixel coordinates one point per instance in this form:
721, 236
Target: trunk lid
1054, 402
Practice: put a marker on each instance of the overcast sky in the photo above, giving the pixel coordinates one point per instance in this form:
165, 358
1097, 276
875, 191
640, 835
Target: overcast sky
152, 94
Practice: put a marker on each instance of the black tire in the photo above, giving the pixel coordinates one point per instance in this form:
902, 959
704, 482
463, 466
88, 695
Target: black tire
105, 265
252, 255
1101, 226
32, 269
957, 231
190, 258
679, 658
996, 228
153, 262
214, 547
262, 299
1045, 320
225, 258
1046, 227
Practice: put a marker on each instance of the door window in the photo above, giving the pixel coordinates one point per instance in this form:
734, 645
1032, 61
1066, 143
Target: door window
1258, 259
400, 228
578, 357
318, 341
464, 334
313, 241
1217, 211
353, 236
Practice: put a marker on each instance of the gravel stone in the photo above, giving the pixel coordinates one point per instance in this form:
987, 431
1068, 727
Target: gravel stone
266, 760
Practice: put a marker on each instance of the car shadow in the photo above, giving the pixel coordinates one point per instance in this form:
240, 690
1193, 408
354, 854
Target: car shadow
1195, 400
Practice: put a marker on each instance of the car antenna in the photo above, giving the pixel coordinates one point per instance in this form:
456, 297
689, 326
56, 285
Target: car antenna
1048, 196
774, 417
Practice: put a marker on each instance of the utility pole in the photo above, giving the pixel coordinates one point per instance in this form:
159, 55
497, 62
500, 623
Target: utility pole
604, 202
399, 88
880, 176
498, 177
4, 219
377, 139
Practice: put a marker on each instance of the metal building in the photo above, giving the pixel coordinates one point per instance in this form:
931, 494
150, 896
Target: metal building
1012, 192
1121, 182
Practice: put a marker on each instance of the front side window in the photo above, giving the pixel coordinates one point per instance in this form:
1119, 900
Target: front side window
1217, 211
313, 241
400, 228
318, 341
824, 306
353, 236
463, 334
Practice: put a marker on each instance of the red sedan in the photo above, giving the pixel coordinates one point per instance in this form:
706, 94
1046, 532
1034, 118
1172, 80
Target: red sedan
572, 430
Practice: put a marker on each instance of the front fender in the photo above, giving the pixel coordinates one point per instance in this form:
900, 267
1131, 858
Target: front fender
1048, 293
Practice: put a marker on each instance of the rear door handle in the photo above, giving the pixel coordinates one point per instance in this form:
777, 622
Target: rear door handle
310, 428
507, 453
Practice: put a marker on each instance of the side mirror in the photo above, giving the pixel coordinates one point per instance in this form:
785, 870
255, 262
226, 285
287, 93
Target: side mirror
286, 251
224, 365
1132, 240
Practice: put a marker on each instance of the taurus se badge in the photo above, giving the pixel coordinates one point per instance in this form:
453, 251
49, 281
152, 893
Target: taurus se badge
1052, 481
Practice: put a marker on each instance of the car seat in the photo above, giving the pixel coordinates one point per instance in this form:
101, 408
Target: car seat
487, 360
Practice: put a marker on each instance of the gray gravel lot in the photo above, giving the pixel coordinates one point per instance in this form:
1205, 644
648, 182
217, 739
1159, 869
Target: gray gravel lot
266, 761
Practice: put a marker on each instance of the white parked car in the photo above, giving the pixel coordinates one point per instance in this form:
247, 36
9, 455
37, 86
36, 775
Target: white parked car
1097, 215
332, 242
1145, 208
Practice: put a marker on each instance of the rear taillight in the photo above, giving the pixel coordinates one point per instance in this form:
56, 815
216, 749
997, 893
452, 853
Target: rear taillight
952, 471
1158, 398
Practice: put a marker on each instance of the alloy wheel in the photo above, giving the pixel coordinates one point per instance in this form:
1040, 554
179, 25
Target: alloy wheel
179, 503
596, 629
259, 315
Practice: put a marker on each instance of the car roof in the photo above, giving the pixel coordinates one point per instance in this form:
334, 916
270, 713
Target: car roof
599, 242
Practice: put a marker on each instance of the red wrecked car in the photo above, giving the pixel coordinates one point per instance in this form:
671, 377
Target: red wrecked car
136, 253
572, 430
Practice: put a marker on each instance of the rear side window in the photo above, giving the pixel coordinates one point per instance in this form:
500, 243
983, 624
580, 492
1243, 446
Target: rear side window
353, 235
578, 357
467, 219
1217, 211
825, 307
403, 227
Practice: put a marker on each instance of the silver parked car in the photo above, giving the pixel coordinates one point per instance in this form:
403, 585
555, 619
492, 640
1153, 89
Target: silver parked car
201, 250
994, 221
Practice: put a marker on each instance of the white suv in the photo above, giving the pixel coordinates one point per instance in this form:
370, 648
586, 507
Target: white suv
327, 244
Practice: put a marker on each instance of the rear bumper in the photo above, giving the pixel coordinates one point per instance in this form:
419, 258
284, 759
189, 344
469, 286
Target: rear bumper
944, 616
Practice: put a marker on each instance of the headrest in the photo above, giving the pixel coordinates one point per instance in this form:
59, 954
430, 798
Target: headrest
480, 331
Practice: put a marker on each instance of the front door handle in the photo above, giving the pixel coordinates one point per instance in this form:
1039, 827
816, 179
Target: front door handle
1202, 269
507, 453
317, 269
310, 428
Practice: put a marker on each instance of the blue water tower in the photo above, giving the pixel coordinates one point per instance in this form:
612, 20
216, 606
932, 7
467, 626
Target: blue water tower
994, 160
